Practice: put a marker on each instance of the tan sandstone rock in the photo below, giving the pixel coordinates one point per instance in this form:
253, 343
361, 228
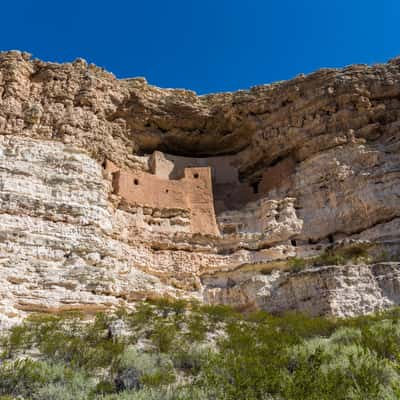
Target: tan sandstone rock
114, 190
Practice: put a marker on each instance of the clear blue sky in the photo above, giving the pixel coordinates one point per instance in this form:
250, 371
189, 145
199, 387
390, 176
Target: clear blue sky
205, 45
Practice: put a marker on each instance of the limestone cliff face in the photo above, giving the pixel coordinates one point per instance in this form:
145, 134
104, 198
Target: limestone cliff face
293, 167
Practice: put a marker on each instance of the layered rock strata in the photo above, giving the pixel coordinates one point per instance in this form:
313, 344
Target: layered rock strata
224, 183
344, 290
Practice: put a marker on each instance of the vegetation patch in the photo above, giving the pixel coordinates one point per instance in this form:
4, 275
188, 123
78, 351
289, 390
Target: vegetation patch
186, 351
353, 254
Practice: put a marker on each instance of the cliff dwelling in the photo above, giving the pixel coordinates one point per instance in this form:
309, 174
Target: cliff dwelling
197, 191
202, 196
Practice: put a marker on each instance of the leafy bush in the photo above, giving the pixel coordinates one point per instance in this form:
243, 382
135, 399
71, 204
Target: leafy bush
167, 306
346, 336
340, 372
219, 313
297, 264
383, 337
356, 253
143, 316
192, 358
197, 328
47, 381
145, 368
163, 336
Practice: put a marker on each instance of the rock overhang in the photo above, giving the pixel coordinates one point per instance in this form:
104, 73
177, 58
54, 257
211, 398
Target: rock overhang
293, 168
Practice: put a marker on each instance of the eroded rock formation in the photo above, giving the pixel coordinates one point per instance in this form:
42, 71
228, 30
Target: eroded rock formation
113, 190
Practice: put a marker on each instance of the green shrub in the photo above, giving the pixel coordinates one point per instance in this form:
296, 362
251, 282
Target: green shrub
163, 336
191, 359
152, 369
167, 305
298, 325
219, 313
27, 377
356, 253
329, 258
346, 336
144, 315
339, 372
22, 377
383, 337
74, 386
104, 387
197, 328
255, 356
297, 264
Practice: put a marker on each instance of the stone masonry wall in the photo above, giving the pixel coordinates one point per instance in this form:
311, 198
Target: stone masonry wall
191, 193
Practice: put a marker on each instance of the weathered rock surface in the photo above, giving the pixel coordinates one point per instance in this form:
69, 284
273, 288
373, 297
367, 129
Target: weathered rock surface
346, 290
317, 160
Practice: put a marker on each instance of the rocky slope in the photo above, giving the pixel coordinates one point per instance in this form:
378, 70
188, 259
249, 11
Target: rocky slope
67, 241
